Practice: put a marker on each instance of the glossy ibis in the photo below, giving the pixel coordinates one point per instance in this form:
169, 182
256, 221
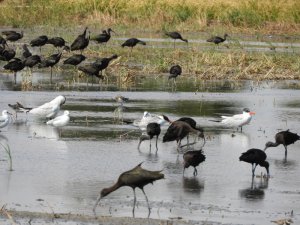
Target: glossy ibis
50, 62
193, 124
14, 36
135, 178
26, 53
14, 65
193, 158
75, 59
238, 120
39, 42
18, 107
8, 32
175, 71
175, 35
7, 54
81, 42
217, 40
4, 119
179, 130
152, 129
284, 138
57, 42
91, 70
31, 61
255, 157
103, 37
103, 63
60, 121
49, 109
132, 42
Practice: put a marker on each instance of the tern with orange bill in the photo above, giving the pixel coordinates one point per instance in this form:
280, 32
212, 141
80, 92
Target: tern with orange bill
238, 120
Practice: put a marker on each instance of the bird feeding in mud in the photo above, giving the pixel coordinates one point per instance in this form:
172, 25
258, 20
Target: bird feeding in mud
4, 119
255, 157
179, 130
152, 129
284, 138
132, 42
176, 36
135, 178
193, 158
238, 120
49, 109
217, 40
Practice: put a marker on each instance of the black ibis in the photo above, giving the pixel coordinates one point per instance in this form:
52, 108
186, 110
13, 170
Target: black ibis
26, 53
192, 123
255, 157
284, 138
39, 41
75, 59
132, 42
81, 42
152, 129
14, 65
103, 37
135, 178
31, 61
91, 70
8, 32
7, 54
193, 158
217, 40
57, 42
14, 36
179, 130
2, 41
175, 35
103, 63
175, 71
50, 62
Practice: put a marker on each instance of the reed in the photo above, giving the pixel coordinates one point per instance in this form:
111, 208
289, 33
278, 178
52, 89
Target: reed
8, 152
155, 14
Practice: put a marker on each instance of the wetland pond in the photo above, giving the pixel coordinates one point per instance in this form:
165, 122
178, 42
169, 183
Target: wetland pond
62, 171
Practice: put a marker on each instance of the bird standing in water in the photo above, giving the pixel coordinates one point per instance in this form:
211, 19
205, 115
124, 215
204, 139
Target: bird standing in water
135, 178
193, 158
255, 157
284, 138
152, 129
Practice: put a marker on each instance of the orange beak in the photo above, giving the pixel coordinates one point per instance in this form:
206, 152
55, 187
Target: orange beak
252, 113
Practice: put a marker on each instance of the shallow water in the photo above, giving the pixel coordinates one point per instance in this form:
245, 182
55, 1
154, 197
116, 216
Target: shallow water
64, 170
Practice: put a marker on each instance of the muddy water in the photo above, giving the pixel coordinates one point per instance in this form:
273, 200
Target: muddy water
64, 170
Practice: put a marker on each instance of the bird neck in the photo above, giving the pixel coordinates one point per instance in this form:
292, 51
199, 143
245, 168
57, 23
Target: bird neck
111, 189
185, 40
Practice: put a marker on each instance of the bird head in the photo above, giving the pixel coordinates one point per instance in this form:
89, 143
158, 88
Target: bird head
110, 30
268, 144
114, 56
5, 112
266, 165
143, 137
104, 192
66, 112
247, 110
166, 118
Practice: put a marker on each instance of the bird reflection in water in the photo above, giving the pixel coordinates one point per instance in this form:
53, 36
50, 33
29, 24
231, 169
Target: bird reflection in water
192, 185
256, 190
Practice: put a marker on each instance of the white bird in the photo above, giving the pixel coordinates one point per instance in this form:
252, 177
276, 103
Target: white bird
4, 119
60, 121
148, 118
49, 109
238, 120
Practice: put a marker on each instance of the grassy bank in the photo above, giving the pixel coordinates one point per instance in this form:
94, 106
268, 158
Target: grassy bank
281, 16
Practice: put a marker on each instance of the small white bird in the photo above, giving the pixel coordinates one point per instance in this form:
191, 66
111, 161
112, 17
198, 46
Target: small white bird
148, 118
4, 119
49, 109
238, 120
60, 121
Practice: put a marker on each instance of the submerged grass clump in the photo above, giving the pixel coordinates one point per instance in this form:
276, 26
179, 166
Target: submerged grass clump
8, 152
154, 14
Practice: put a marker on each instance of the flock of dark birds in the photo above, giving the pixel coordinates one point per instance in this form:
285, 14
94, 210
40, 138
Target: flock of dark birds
28, 60
177, 131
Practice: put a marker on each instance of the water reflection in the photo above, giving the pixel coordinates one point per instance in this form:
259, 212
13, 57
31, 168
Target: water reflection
256, 190
192, 185
285, 164
43, 131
